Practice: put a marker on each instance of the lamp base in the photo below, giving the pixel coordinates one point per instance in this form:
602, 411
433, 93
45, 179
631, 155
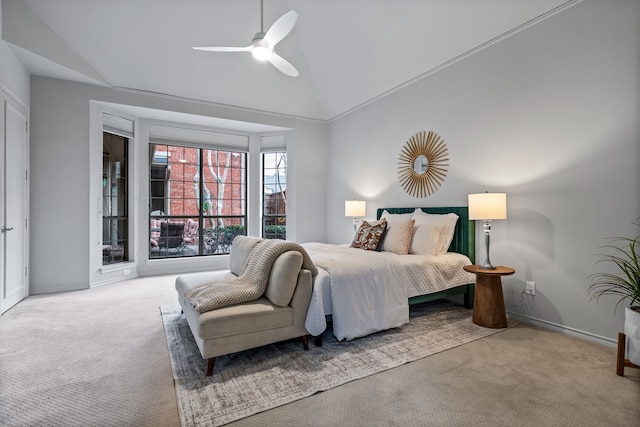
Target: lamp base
486, 227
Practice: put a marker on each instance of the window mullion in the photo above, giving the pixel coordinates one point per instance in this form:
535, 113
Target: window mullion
201, 200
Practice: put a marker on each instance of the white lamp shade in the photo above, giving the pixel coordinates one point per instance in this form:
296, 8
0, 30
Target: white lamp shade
355, 208
488, 206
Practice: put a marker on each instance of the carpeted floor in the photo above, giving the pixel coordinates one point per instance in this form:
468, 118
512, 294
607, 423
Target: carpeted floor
99, 358
256, 380
95, 357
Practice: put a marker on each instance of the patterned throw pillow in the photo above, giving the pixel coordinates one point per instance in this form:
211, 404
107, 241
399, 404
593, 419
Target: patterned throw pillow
398, 237
368, 235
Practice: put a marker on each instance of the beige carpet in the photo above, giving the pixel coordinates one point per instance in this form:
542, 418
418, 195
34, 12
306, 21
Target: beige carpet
99, 357
253, 381
96, 357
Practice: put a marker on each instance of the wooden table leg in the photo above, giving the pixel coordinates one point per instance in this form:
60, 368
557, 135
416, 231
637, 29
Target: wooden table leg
488, 304
621, 362
621, 352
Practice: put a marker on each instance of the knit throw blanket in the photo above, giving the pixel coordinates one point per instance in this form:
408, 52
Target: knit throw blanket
252, 281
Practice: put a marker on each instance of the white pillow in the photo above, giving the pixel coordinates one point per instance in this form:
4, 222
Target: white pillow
396, 217
445, 222
426, 239
397, 238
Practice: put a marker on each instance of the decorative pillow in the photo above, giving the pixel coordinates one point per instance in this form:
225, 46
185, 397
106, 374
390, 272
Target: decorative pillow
241, 247
445, 222
398, 237
397, 217
154, 231
284, 278
369, 234
426, 239
391, 219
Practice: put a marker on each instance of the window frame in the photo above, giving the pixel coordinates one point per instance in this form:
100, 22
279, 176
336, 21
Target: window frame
205, 238
119, 253
280, 220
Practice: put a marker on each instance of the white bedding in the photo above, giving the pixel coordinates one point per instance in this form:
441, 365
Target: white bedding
368, 291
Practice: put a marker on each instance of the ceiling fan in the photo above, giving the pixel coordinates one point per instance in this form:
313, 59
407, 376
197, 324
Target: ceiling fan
263, 44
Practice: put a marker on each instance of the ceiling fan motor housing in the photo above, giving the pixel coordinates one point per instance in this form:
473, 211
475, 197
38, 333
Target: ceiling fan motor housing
260, 49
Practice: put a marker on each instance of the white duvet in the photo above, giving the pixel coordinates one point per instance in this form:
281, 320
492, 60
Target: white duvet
368, 291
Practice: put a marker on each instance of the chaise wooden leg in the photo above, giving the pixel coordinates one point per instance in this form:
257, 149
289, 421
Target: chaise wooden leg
210, 362
305, 342
318, 341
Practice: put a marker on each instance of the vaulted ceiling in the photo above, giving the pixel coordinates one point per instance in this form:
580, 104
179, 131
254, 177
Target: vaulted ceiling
348, 52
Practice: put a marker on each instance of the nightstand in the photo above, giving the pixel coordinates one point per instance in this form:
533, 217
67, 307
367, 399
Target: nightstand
488, 303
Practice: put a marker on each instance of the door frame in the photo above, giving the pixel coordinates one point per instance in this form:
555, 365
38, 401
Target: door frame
8, 96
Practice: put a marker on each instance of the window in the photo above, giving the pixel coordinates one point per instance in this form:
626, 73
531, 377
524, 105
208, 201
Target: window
197, 200
274, 195
115, 209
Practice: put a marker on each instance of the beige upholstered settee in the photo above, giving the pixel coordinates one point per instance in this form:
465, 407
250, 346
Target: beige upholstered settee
276, 316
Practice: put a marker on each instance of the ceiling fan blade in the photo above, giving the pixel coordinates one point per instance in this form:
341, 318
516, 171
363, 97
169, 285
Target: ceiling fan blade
223, 48
283, 65
281, 28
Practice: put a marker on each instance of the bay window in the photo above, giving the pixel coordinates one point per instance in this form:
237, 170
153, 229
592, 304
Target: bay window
198, 200
274, 195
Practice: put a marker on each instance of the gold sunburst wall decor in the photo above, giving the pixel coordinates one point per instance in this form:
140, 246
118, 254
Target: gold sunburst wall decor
422, 164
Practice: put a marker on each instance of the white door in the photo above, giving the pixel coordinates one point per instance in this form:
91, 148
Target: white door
13, 203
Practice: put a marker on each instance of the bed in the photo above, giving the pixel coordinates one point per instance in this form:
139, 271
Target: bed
360, 291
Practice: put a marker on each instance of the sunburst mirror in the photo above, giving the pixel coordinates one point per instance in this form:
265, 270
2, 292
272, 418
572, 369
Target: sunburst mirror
422, 164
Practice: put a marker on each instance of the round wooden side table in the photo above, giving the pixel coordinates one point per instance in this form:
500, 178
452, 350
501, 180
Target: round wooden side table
488, 302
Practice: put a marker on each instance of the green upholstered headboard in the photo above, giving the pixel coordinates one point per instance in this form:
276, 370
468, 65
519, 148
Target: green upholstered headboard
464, 237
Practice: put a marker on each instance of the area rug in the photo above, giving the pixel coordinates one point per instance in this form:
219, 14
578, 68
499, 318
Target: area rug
253, 381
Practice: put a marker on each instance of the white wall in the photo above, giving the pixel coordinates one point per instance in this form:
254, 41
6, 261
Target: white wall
64, 204
550, 116
307, 163
13, 74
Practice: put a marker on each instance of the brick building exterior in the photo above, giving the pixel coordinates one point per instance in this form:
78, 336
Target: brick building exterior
182, 186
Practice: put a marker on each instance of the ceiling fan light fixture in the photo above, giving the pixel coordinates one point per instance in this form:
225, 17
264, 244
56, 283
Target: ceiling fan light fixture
262, 46
262, 53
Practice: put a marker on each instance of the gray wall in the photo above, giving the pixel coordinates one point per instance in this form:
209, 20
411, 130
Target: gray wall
64, 208
549, 116
13, 74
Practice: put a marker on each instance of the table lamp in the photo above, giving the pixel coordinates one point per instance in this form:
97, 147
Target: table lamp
355, 209
487, 207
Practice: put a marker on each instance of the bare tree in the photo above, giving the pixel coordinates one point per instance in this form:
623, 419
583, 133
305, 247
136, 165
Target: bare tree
220, 178
281, 162
206, 206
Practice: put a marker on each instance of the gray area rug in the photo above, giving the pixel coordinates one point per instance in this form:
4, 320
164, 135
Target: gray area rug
253, 381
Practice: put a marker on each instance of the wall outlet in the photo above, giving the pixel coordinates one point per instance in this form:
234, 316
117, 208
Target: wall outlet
530, 288
126, 272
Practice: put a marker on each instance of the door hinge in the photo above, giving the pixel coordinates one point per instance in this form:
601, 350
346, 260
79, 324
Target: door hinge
26, 223
26, 271
26, 126
26, 175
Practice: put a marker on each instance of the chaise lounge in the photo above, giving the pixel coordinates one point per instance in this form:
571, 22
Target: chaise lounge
278, 315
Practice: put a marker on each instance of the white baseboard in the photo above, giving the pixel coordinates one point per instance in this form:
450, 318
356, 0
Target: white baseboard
43, 291
115, 279
609, 342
